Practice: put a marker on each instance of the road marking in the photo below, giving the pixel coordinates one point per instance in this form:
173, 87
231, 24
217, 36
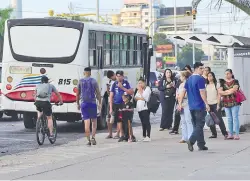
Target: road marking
15, 139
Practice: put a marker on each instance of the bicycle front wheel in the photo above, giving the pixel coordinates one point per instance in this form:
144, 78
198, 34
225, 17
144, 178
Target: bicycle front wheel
53, 140
40, 132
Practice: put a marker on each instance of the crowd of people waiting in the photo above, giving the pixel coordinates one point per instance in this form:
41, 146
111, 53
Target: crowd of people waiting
186, 99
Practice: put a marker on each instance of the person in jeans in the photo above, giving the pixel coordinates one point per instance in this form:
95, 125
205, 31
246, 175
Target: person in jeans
197, 102
142, 97
88, 92
228, 89
213, 99
119, 87
167, 96
186, 118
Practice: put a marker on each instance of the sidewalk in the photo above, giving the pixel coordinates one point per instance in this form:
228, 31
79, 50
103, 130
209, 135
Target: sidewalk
163, 158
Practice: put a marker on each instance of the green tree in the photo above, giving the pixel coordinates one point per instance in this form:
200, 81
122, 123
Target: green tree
161, 39
185, 57
4, 15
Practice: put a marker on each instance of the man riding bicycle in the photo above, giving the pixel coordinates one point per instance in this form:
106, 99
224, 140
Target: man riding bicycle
42, 102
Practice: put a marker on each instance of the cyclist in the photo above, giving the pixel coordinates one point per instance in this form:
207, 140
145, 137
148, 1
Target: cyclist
43, 94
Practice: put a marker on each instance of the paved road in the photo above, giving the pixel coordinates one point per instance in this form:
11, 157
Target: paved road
163, 158
14, 138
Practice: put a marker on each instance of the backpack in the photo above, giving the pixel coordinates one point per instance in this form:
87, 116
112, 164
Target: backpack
153, 102
43, 90
87, 90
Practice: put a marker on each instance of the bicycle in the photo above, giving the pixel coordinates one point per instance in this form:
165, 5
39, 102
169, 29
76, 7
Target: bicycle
42, 127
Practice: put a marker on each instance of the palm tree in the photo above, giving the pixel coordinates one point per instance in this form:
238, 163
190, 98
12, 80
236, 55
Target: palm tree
244, 5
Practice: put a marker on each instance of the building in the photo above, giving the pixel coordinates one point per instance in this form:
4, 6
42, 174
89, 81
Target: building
17, 7
183, 24
136, 13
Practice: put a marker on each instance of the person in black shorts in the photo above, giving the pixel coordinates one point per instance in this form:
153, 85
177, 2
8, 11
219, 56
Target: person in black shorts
127, 116
42, 101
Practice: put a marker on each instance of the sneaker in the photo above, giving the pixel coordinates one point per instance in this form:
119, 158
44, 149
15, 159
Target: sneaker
182, 141
162, 129
190, 146
147, 139
109, 137
213, 136
173, 132
121, 139
130, 140
51, 137
89, 143
203, 148
116, 137
93, 141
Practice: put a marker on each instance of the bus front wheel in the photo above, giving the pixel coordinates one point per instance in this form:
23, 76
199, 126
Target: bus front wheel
29, 120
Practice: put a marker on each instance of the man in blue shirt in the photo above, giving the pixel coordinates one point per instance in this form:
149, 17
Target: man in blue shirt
116, 102
197, 101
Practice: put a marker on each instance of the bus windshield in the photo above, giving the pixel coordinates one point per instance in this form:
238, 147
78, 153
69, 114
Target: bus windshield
44, 40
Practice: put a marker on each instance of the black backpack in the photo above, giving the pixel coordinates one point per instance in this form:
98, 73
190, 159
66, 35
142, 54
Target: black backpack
154, 102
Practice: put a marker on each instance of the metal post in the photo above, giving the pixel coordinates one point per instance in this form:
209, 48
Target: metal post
97, 11
193, 43
175, 31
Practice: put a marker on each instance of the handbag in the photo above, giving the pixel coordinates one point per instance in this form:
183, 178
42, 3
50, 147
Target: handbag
215, 118
209, 120
240, 97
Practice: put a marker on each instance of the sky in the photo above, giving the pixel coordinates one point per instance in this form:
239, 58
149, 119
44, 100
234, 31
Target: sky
225, 20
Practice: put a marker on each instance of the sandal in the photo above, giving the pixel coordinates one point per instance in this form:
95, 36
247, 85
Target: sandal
236, 138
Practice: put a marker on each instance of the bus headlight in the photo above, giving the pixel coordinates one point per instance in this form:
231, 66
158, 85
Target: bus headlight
9, 79
75, 82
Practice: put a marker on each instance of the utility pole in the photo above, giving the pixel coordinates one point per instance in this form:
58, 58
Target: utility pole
151, 16
175, 31
97, 11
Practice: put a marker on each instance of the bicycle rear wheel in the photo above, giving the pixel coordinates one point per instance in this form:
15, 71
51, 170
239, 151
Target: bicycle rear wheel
40, 132
52, 141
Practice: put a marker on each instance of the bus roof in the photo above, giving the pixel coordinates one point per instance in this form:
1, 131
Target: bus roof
90, 25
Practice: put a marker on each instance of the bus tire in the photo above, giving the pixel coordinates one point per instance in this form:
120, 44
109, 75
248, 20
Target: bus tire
1, 114
101, 120
29, 120
14, 117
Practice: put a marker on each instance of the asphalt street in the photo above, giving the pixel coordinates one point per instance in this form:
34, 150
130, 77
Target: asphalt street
14, 138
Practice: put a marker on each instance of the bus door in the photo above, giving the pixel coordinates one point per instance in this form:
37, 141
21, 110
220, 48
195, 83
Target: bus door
100, 70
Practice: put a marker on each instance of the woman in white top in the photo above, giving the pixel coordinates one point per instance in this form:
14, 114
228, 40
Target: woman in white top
213, 99
186, 118
142, 96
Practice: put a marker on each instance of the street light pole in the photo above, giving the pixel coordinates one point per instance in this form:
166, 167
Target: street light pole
97, 11
193, 35
175, 31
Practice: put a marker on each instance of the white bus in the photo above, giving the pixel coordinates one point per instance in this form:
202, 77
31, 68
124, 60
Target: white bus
61, 49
